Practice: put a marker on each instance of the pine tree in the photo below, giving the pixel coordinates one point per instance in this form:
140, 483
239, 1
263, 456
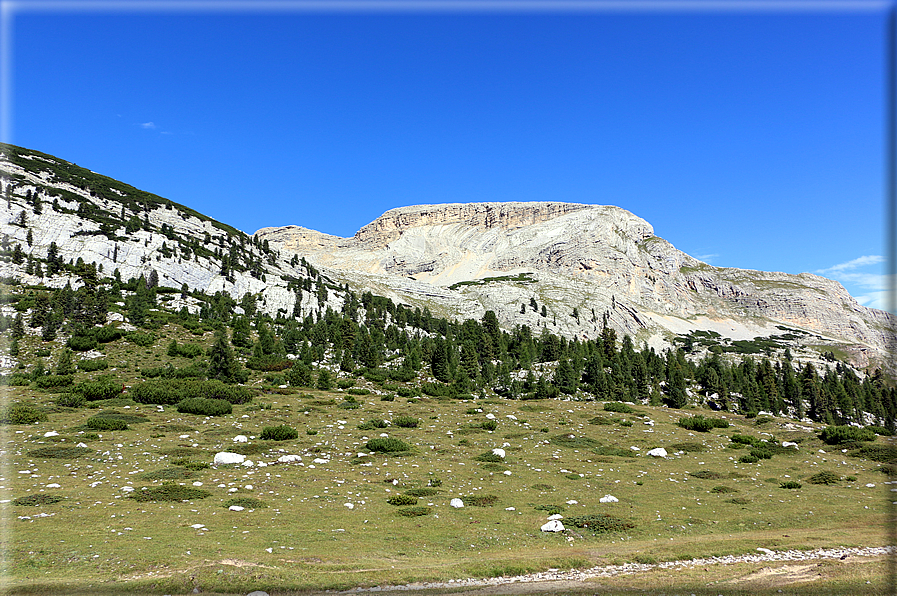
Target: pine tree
676, 396
223, 364
29, 238
240, 335
299, 375
65, 366
325, 381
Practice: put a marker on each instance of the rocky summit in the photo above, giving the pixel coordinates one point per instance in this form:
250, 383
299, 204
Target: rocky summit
585, 264
568, 268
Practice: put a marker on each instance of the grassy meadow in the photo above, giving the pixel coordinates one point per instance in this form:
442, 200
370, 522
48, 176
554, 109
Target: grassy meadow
75, 521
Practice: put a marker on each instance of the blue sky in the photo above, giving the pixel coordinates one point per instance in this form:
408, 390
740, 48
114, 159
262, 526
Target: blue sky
747, 138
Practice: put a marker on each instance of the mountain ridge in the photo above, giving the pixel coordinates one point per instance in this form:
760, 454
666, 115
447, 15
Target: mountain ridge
584, 266
586, 257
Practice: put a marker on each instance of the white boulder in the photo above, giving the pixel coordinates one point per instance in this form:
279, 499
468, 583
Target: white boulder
555, 516
553, 526
286, 459
499, 452
236, 508
225, 457
241, 439
608, 499
51, 433
456, 503
658, 452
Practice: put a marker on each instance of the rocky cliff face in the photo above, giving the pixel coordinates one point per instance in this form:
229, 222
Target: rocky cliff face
91, 217
462, 259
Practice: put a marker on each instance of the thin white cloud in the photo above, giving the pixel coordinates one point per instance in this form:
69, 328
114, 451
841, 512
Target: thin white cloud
872, 281
148, 125
706, 258
853, 264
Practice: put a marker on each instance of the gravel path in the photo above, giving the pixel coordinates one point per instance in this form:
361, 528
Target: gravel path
554, 575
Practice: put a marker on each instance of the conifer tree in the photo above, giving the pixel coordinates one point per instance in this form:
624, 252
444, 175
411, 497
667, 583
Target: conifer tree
65, 366
223, 364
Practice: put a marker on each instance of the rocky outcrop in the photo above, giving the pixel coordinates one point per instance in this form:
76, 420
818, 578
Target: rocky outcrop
591, 260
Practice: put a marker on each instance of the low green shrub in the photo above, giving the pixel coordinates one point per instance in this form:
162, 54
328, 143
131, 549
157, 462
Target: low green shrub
372, 424
619, 407
279, 433
387, 445
124, 417
836, 435
408, 391
93, 365
489, 425
105, 335
59, 452
824, 477
761, 452
879, 452
422, 492
54, 381
549, 509
599, 523
22, 414
100, 388
543, 487
489, 457
480, 500
744, 439
689, 447
16, 380
82, 343
190, 464
350, 403
70, 400
184, 350
168, 474
388, 397
748, 459
723, 490
144, 340
101, 423
880, 430
205, 407
405, 421
171, 391
402, 499
706, 475
37, 500
247, 502
248, 448
701, 424
376, 375
169, 492
790, 484
414, 511
358, 391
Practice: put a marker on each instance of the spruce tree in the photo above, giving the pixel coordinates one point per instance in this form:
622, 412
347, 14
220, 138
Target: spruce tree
223, 364
65, 366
